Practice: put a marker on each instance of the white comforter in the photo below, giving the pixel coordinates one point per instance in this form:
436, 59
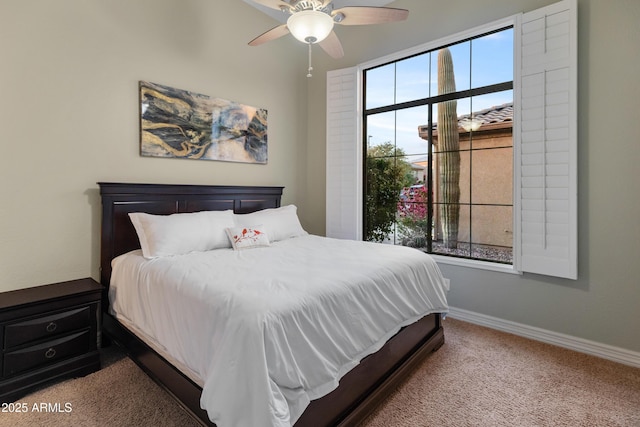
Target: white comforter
269, 329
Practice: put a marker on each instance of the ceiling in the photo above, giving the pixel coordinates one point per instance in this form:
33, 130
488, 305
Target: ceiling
282, 17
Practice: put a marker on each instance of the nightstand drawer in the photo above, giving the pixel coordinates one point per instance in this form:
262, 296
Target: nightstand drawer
47, 352
41, 327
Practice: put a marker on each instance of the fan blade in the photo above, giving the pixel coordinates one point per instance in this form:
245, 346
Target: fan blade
365, 15
332, 46
272, 34
274, 4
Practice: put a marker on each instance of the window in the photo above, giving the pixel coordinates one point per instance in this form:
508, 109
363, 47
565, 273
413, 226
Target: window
544, 142
439, 150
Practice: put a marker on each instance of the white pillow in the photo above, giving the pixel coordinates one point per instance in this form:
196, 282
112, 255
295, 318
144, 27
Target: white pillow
279, 223
247, 237
163, 235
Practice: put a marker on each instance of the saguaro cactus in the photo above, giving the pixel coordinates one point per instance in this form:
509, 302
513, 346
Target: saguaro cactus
449, 145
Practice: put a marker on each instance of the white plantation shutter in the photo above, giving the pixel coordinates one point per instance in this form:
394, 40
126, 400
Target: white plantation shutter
344, 156
546, 144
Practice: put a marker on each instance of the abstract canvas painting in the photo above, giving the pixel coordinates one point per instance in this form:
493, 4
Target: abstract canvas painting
182, 124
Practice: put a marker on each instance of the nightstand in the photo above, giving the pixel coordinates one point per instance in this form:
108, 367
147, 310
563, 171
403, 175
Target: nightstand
48, 332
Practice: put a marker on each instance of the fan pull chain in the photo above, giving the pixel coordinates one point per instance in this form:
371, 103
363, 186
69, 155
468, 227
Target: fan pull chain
310, 67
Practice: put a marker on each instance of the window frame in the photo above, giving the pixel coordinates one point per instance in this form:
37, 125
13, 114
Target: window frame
430, 102
417, 50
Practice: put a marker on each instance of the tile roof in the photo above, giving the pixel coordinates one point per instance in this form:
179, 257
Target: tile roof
492, 115
496, 114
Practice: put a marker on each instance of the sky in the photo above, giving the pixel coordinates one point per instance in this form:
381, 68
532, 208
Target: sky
483, 61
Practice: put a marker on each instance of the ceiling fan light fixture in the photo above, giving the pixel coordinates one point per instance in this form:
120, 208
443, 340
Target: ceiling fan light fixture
310, 26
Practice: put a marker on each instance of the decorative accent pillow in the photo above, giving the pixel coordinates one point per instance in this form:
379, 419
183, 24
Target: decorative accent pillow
280, 223
164, 235
247, 237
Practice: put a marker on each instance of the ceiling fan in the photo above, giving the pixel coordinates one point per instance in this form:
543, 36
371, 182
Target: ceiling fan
311, 22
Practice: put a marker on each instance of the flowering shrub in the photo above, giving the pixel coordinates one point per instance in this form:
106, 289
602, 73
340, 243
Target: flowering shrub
412, 216
413, 203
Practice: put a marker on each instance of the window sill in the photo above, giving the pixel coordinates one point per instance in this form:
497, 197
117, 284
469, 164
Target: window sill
471, 263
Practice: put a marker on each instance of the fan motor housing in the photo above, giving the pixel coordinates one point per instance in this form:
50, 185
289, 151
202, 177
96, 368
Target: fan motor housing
299, 5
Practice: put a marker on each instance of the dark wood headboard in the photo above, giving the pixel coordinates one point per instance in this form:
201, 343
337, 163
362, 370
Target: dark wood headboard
118, 199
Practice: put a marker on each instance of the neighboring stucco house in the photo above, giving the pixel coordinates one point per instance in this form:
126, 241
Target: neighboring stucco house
486, 156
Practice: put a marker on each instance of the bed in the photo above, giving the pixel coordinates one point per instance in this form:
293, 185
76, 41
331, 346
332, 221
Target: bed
359, 391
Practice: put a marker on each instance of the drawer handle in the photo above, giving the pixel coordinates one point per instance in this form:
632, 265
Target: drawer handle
50, 353
51, 327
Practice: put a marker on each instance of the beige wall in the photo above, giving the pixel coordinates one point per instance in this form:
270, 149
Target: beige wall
69, 114
491, 182
602, 305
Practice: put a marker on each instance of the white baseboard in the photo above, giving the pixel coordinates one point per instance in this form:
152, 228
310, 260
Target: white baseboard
604, 351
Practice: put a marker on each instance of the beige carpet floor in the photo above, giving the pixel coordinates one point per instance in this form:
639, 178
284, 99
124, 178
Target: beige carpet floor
480, 377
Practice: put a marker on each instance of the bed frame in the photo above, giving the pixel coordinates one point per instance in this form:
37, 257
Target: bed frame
360, 391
